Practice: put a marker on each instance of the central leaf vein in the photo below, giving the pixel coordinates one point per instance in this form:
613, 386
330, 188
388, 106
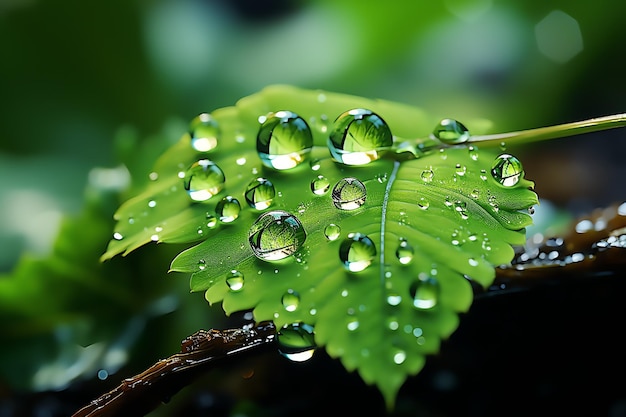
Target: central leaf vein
383, 218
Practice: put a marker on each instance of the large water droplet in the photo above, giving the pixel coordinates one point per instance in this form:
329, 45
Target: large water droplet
332, 231
291, 300
235, 280
507, 170
260, 193
276, 235
284, 140
357, 252
203, 180
296, 341
228, 209
349, 194
359, 137
425, 292
451, 132
205, 132
405, 252
320, 185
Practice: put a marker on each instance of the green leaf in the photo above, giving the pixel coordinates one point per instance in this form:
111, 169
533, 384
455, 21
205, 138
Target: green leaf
416, 219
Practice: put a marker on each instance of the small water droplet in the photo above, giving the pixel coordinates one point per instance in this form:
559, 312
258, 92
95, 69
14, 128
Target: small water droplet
399, 357
118, 236
320, 185
315, 164
260, 193
276, 235
461, 208
353, 324
359, 137
423, 203
451, 132
427, 175
443, 154
349, 194
472, 262
203, 179
296, 341
204, 131
152, 203
507, 170
228, 209
153, 176
394, 299
284, 140
235, 280
460, 169
201, 264
475, 193
290, 300
357, 252
405, 252
473, 152
332, 231
425, 292
211, 221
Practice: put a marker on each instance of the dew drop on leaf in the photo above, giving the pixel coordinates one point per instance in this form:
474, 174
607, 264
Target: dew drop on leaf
228, 209
235, 280
320, 185
357, 252
204, 131
424, 292
332, 231
296, 341
423, 203
290, 300
201, 264
507, 170
275, 235
211, 221
399, 357
359, 137
203, 180
284, 140
353, 324
405, 252
427, 175
451, 132
260, 193
118, 236
349, 194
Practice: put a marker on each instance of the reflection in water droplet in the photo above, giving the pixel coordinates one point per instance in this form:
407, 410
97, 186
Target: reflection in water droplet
332, 231
349, 194
359, 137
276, 235
320, 185
393, 299
427, 175
284, 140
118, 236
473, 152
201, 264
228, 209
235, 280
405, 252
424, 292
204, 131
290, 300
450, 131
460, 169
203, 180
507, 170
357, 252
399, 357
423, 203
296, 341
211, 221
260, 193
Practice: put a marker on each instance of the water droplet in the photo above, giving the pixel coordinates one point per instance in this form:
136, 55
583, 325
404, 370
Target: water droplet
473, 152
460, 169
461, 208
427, 175
260, 193
204, 131
276, 235
451, 132
405, 252
320, 185
201, 264
349, 194
284, 140
359, 137
118, 236
228, 209
235, 280
507, 170
424, 292
357, 252
152, 203
423, 203
290, 300
332, 231
399, 357
153, 176
296, 341
353, 324
393, 299
211, 221
203, 180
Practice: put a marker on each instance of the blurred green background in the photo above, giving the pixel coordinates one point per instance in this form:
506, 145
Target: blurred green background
86, 87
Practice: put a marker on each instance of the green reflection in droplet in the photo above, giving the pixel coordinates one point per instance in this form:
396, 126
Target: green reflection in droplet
296, 341
235, 280
507, 170
332, 231
260, 193
450, 132
357, 252
284, 140
205, 132
349, 194
320, 185
228, 209
424, 292
291, 300
203, 179
275, 235
404, 252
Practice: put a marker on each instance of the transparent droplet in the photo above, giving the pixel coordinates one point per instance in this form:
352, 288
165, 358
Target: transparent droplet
424, 292
427, 175
260, 193
203, 180
284, 140
201, 264
296, 341
205, 132
423, 203
320, 185
473, 152
353, 324
451, 132
290, 300
359, 137
349, 194
405, 252
460, 169
235, 280
332, 231
357, 252
399, 357
211, 221
118, 236
276, 235
394, 299
228, 209
507, 170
